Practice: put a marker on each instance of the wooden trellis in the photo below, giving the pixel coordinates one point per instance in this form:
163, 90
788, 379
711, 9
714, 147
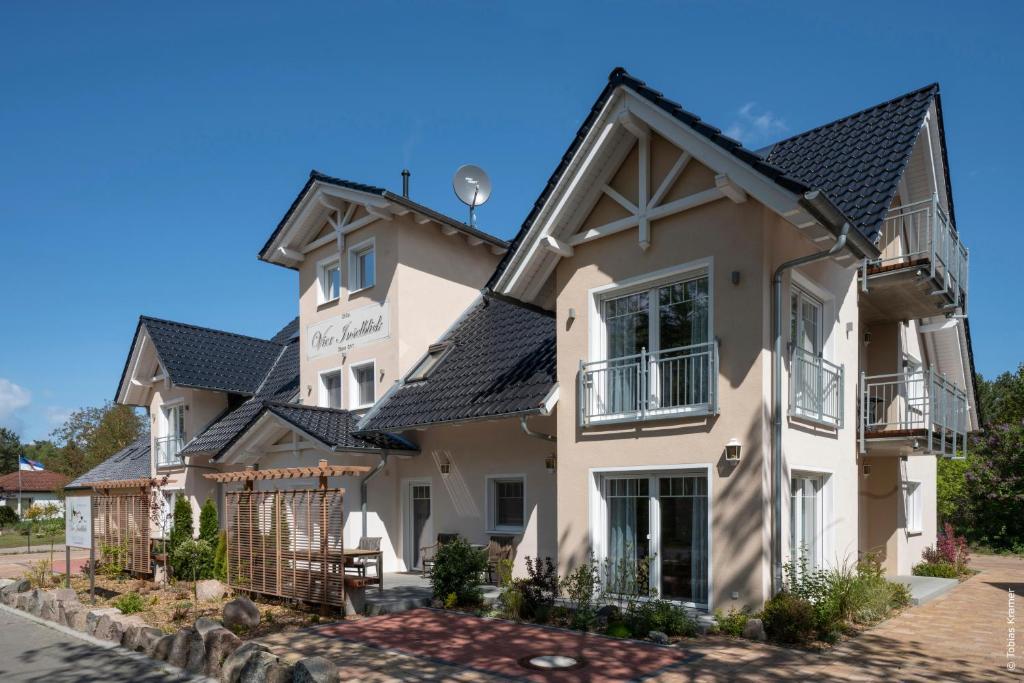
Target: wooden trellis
287, 543
121, 520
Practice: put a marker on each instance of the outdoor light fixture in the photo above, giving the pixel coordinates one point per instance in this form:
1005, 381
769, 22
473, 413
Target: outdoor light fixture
446, 468
867, 470
732, 450
549, 463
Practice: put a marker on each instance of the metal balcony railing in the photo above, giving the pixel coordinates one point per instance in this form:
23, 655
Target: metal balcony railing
815, 388
922, 231
914, 404
648, 386
167, 449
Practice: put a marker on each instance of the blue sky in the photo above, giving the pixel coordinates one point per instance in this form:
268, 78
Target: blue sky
147, 150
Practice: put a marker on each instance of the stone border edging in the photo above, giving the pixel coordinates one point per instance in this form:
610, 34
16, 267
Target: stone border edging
108, 645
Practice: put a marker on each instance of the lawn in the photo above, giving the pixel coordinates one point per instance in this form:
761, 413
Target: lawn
12, 539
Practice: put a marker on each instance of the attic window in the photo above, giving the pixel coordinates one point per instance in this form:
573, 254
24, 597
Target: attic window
434, 355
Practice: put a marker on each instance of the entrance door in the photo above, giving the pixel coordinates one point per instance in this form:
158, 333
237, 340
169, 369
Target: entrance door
418, 520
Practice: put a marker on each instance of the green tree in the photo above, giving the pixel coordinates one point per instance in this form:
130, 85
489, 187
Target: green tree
951, 490
994, 488
44, 451
220, 557
10, 450
182, 528
1002, 399
91, 435
208, 525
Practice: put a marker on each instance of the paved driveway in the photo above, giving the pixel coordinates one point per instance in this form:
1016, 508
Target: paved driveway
961, 636
13, 566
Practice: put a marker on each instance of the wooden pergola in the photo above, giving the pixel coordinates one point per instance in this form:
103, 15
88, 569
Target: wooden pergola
287, 543
120, 521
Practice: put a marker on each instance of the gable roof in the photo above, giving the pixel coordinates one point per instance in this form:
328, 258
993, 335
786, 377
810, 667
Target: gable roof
131, 462
318, 177
204, 358
788, 169
858, 160
501, 363
32, 481
334, 427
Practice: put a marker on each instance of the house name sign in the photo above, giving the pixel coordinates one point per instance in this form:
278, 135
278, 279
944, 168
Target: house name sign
343, 332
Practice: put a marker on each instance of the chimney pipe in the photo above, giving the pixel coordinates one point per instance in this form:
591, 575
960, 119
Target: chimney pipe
405, 182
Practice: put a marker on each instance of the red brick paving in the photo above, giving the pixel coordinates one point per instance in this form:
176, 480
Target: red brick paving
495, 646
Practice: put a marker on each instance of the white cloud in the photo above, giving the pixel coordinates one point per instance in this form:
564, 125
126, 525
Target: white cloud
12, 399
752, 127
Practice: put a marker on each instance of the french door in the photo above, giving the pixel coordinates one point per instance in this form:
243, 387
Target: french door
657, 536
418, 513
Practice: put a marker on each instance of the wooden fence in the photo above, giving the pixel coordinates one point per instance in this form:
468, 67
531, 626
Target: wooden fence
287, 544
121, 526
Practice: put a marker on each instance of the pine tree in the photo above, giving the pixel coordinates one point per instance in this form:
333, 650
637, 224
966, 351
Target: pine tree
208, 525
182, 527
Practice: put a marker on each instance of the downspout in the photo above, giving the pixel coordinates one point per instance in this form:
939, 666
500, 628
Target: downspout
366, 480
530, 432
777, 398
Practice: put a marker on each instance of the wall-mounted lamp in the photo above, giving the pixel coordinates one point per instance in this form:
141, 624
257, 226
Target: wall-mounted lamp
550, 463
866, 469
735, 277
867, 337
732, 450
570, 318
446, 468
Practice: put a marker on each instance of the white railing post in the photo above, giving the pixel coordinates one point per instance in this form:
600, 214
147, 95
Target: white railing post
863, 411
582, 399
643, 382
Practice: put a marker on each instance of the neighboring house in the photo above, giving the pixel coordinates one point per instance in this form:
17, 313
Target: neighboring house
22, 490
623, 380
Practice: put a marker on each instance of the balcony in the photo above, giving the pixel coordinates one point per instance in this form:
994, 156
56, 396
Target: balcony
922, 270
912, 411
815, 388
167, 449
672, 383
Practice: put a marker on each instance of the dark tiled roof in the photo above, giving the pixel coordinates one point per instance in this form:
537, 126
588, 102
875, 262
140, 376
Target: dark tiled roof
204, 358
858, 160
287, 333
317, 176
131, 462
864, 152
333, 427
281, 384
32, 480
502, 362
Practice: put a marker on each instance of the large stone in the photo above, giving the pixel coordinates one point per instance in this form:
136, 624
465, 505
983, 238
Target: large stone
17, 586
49, 608
35, 605
147, 641
196, 663
162, 649
241, 612
210, 589
179, 650
93, 616
754, 630
314, 670
262, 667
658, 637
24, 601
109, 628
231, 671
205, 624
127, 623
76, 617
279, 673
220, 643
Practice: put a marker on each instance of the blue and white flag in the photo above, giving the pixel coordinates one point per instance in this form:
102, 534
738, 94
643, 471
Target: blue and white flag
30, 465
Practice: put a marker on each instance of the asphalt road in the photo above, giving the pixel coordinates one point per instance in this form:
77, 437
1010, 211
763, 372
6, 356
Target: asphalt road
36, 653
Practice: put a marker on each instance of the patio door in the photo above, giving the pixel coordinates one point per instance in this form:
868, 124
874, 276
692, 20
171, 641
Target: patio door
418, 510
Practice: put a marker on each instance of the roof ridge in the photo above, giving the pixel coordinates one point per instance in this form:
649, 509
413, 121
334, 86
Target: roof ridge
209, 329
771, 147
303, 406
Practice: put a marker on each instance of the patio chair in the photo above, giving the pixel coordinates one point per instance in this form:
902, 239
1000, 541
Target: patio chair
429, 553
499, 549
358, 564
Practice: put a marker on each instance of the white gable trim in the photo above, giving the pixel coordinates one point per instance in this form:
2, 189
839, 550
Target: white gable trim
138, 381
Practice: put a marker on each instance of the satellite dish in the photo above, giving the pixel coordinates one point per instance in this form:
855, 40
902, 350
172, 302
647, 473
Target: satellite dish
472, 186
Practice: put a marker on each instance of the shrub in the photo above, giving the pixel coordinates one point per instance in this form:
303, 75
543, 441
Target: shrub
580, 586
456, 571
181, 527
208, 525
192, 560
540, 590
645, 616
130, 603
511, 602
941, 569
618, 630
733, 623
8, 516
220, 557
180, 610
114, 560
789, 618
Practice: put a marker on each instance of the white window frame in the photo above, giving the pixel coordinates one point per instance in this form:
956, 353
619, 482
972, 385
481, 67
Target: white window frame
322, 268
354, 403
598, 335
598, 525
355, 274
829, 312
490, 501
165, 429
323, 399
913, 506
826, 511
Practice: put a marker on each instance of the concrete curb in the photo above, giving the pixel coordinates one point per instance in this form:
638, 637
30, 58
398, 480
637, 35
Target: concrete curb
108, 645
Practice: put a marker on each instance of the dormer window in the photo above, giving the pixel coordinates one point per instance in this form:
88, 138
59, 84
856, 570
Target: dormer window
362, 266
435, 353
329, 276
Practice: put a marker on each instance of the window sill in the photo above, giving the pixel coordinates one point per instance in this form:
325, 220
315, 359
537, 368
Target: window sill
355, 292
505, 531
323, 305
651, 416
914, 533
808, 419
